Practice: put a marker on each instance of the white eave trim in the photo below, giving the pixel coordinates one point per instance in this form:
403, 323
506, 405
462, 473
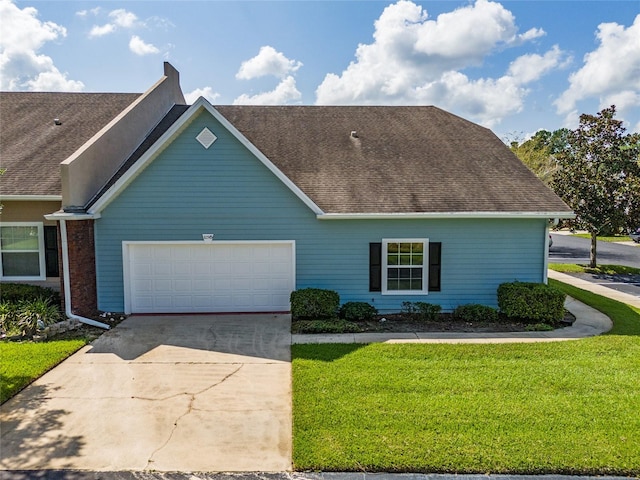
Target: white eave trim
31, 198
437, 215
179, 125
57, 216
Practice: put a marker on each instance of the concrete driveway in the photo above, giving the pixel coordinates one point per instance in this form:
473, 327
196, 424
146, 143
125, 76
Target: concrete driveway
166, 393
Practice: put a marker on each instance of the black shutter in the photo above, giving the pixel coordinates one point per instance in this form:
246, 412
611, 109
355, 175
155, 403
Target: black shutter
375, 267
435, 254
51, 250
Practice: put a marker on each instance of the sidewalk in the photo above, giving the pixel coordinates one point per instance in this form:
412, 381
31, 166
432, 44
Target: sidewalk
595, 288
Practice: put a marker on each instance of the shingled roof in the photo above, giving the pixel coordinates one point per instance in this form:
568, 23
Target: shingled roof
32, 145
363, 159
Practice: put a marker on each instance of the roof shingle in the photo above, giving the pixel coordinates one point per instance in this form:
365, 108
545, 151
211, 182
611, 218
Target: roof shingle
32, 146
400, 160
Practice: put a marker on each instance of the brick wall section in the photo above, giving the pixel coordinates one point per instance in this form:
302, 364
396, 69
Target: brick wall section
82, 267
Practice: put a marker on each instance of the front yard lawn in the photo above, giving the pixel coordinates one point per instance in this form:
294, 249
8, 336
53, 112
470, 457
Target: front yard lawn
23, 362
569, 407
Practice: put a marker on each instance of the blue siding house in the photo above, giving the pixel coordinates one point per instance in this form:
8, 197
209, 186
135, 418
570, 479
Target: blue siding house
231, 208
286, 216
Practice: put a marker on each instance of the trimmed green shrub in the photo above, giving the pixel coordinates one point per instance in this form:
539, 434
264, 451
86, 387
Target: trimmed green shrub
358, 311
421, 311
314, 303
535, 302
325, 326
474, 312
15, 292
34, 315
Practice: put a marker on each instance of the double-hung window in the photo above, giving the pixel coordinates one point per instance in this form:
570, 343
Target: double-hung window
405, 266
22, 251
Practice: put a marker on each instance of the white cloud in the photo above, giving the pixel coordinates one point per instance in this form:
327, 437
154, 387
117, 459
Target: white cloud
610, 72
206, 92
417, 60
123, 18
21, 66
139, 47
531, 67
120, 18
285, 92
100, 31
267, 62
84, 13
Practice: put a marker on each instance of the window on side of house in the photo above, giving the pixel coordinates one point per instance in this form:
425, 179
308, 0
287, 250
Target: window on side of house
22, 251
405, 266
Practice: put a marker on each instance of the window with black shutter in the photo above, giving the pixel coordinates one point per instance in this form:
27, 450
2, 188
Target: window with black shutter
51, 250
399, 265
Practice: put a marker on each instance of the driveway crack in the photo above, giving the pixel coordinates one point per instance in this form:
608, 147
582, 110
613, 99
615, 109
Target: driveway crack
187, 412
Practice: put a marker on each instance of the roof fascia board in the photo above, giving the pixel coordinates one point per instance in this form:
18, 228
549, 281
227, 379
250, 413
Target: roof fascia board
62, 215
198, 106
442, 215
31, 198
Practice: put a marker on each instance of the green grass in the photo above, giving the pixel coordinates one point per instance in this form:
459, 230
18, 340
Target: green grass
569, 407
626, 319
21, 363
600, 269
616, 238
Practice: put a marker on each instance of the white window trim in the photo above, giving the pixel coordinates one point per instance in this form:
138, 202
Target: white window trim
41, 259
425, 266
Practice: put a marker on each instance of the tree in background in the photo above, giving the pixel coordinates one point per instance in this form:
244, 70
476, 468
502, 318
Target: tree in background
538, 153
598, 176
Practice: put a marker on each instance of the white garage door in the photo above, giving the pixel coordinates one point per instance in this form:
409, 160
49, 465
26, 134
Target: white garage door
208, 277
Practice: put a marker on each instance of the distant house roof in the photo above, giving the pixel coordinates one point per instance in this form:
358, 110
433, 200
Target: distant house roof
364, 159
32, 145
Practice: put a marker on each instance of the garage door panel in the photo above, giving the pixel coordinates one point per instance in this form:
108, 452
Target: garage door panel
163, 286
212, 277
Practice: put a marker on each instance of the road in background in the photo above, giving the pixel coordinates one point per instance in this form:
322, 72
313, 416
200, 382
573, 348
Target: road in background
571, 249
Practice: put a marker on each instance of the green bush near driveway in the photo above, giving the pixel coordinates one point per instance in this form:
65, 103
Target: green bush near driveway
314, 303
23, 362
531, 408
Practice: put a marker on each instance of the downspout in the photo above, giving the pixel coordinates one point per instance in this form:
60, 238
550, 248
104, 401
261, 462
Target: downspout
545, 267
66, 280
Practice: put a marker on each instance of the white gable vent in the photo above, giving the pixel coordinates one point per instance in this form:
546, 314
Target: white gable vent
206, 137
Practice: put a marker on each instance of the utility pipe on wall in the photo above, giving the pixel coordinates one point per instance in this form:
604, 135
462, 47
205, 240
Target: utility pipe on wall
67, 285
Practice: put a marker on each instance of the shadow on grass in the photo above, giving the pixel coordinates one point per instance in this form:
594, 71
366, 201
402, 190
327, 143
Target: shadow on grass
325, 352
32, 431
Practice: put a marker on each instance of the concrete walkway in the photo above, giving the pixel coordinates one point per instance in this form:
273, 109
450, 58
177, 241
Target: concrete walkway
161, 393
596, 288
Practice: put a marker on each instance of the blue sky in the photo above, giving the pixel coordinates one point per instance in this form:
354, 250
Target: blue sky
513, 66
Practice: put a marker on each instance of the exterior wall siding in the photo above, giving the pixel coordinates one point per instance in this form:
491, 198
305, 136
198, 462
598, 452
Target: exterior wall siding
224, 190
